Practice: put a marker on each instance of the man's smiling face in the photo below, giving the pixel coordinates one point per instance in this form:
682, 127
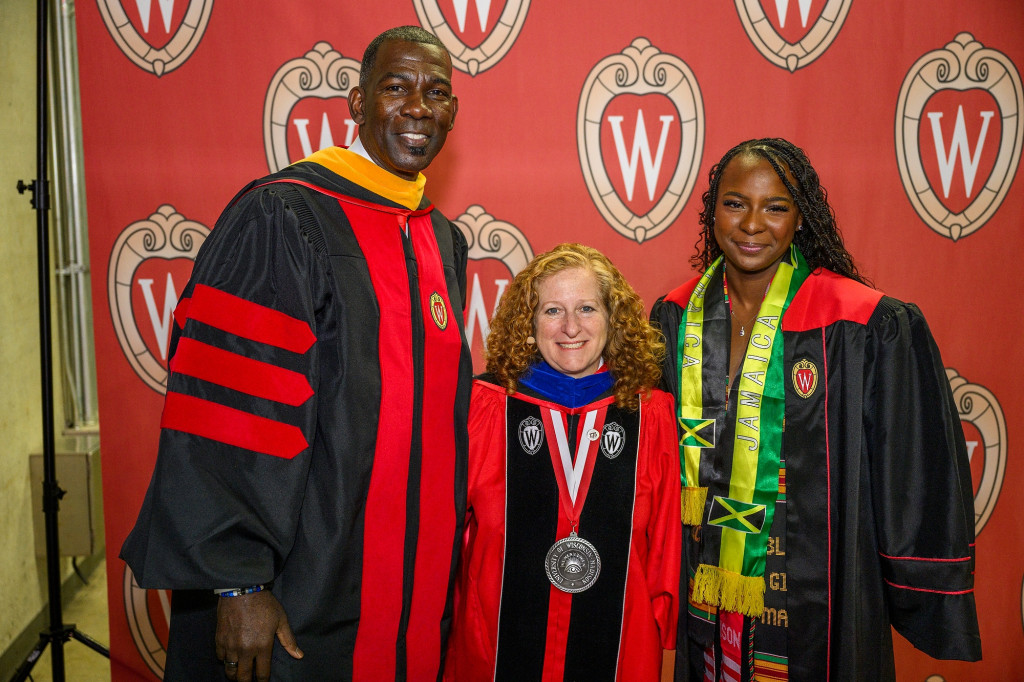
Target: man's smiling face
407, 107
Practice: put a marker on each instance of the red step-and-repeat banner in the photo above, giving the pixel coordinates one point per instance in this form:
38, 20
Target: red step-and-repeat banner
587, 121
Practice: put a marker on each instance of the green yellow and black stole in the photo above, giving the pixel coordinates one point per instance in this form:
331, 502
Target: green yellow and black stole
732, 439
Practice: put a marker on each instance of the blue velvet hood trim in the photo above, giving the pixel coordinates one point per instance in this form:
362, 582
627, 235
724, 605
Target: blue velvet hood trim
566, 390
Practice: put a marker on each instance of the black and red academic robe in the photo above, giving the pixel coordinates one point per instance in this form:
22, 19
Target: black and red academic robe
511, 623
874, 526
313, 432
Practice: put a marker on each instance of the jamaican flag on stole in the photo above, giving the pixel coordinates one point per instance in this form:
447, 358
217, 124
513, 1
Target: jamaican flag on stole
731, 439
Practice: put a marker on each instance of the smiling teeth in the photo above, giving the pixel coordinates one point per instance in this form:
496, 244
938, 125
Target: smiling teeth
571, 346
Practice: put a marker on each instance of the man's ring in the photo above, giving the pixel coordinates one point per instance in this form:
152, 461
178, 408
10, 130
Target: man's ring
231, 664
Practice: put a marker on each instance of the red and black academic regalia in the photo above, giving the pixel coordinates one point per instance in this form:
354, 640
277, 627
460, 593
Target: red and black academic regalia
313, 431
511, 623
873, 524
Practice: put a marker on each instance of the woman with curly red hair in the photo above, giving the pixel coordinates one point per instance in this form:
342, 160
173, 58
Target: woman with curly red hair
571, 552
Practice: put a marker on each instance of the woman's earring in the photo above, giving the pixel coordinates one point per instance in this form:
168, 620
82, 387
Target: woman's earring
530, 340
799, 227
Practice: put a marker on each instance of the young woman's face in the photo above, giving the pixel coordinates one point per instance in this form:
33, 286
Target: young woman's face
755, 215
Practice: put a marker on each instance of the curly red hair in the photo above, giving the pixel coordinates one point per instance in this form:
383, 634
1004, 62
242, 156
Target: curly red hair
634, 350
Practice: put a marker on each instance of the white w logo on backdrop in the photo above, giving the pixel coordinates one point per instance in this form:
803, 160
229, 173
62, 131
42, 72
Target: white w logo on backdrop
321, 73
476, 313
176, 51
496, 44
166, 235
483, 10
963, 65
326, 135
641, 69
641, 152
161, 322
980, 408
489, 239
166, 10
782, 8
812, 44
958, 147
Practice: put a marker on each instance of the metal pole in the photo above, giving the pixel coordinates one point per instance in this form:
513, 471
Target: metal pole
57, 633
51, 491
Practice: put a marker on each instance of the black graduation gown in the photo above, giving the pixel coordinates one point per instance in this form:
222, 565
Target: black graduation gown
875, 526
314, 430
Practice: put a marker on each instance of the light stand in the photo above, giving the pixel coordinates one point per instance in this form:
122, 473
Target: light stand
58, 632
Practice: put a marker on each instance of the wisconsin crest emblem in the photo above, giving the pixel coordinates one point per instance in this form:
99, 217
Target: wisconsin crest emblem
531, 435
321, 74
140, 606
641, 72
961, 71
805, 378
165, 236
134, 45
500, 36
438, 311
792, 53
984, 423
612, 440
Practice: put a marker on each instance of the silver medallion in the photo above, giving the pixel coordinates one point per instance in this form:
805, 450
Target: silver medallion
572, 564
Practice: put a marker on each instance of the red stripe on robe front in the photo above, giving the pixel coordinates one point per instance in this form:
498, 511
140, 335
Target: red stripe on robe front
437, 465
385, 513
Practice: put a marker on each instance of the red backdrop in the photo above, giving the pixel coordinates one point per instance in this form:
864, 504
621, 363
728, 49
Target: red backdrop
593, 122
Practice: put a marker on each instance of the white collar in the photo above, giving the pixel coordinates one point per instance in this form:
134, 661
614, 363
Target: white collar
357, 148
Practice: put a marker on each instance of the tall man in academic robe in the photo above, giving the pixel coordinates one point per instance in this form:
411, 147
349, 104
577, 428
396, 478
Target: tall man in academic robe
308, 493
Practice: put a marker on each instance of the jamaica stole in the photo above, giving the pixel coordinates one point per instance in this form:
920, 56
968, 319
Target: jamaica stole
732, 438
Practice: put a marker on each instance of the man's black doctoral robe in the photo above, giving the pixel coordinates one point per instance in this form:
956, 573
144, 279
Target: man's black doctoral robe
313, 432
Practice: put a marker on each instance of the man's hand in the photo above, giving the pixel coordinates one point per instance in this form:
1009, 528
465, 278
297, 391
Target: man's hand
246, 627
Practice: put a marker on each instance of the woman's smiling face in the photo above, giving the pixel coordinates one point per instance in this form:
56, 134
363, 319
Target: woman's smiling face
571, 322
756, 217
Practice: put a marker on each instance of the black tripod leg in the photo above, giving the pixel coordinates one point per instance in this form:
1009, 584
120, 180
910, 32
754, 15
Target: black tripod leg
23, 671
66, 632
89, 641
56, 637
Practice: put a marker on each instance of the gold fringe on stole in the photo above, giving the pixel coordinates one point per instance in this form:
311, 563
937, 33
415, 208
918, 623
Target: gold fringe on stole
729, 591
693, 505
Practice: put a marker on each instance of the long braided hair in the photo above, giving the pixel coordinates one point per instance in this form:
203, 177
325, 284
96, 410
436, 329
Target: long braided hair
819, 241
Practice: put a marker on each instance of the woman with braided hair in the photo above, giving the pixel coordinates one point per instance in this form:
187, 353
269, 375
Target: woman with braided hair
826, 490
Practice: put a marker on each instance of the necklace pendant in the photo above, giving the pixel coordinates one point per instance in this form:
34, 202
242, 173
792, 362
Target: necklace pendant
741, 331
